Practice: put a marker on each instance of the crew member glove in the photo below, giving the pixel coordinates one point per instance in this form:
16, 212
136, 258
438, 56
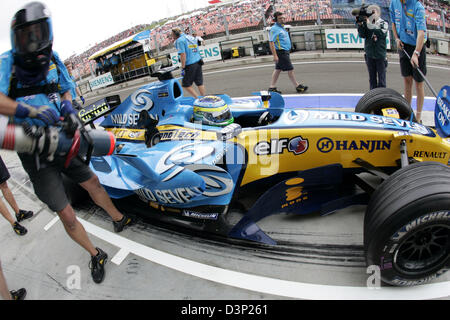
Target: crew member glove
70, 125
66, 108
183, 72
82, 99
44, 113
32, 131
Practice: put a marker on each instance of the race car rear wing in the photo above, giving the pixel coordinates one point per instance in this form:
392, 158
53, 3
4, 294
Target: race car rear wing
442, 112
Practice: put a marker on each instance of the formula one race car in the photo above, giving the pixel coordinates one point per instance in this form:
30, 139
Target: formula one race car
297, 160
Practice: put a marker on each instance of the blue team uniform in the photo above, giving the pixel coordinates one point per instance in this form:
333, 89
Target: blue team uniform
73, 91
188, 45
280, 37
63, 79
408, 18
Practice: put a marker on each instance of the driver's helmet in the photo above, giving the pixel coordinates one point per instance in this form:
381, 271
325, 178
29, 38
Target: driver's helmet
212, 111
32, 36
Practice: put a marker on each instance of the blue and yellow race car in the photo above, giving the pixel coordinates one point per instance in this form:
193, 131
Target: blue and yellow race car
192, 161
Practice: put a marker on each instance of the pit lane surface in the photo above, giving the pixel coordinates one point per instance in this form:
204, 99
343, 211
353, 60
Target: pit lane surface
148, 261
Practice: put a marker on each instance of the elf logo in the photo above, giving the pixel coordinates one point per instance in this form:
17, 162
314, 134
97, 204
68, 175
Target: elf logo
296, 145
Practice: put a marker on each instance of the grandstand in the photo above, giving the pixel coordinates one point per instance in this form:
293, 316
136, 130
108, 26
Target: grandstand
244, 16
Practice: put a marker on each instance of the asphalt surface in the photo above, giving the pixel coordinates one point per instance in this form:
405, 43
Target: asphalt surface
320, 257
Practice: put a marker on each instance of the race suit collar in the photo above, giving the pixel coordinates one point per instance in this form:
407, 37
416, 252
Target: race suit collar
29, 78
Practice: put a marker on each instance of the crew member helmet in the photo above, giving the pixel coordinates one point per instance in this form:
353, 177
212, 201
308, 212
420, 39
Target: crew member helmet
212, 111
32, 36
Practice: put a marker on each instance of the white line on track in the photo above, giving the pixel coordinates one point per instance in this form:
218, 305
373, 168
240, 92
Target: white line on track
51, 223
120, 256
324, 95
267, 285
18, 186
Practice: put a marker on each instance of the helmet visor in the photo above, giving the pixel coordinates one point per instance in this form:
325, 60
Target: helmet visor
218, 117
32, 37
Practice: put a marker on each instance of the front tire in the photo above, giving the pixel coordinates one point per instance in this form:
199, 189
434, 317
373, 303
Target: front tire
407, 225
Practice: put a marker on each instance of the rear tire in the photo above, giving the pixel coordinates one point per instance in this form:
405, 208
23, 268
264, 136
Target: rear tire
379, 98
407, 225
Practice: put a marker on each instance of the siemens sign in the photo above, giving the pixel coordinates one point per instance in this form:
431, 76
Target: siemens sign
346, 39
101, 81
210, 52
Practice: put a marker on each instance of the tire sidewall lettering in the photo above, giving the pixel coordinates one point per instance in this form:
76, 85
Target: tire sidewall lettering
389, 250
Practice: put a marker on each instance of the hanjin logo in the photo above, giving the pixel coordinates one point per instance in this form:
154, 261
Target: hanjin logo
325, 145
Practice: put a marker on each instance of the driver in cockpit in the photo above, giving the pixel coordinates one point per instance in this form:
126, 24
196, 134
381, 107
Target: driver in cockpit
212, 111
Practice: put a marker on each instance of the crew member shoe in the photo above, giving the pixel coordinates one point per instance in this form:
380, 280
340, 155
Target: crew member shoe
119, 225
20, 230
97, 266
301, 88
18, 294
23, 214
274, 90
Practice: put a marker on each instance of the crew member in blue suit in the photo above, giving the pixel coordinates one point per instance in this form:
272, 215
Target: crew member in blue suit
76, 91
280, 46
115, 63
410, 33
36, 85
191, 62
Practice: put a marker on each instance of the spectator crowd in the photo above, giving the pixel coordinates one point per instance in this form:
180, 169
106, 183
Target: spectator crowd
80, 63
242, 16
